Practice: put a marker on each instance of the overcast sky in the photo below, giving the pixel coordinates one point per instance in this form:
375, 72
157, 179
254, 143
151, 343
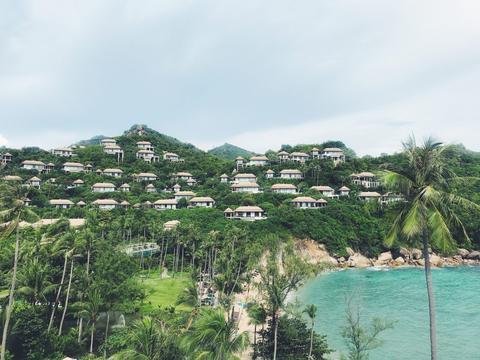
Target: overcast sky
257, 74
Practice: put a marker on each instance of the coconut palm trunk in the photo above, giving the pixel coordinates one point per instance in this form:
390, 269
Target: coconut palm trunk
431, 296
66, 300
11, 298
59, 291
311, 342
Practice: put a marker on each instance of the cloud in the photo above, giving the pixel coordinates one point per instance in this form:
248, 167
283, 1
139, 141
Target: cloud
3, 140
208, 71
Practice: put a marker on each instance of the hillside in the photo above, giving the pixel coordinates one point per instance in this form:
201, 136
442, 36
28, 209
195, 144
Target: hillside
230, 152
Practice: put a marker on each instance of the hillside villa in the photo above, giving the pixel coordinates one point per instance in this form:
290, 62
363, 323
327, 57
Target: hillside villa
61, 203
6, 158
291, 174
34, 182
300, 157
113, 172
105, 204
326, 191
201, 201
248, 178
108, 142
284, 188
369, 195
269, 174
169, 156
33, 165
150, 188
184, 195
73, 167
366, 179
124, 187
249, 213
78, 182
147, 155
224, 178
145, 177
258, 160
344, 191
145, 145
335, 154
65, 152
250, 187
165, 204
182, 175
103, 187
283, 156
307, 202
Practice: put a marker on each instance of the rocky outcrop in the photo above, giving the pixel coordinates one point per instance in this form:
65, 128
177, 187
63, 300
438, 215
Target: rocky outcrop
359, 261
474, 255
314, 253
384, 259
463, 252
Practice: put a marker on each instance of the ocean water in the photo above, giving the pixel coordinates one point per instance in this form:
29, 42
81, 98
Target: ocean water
400, 295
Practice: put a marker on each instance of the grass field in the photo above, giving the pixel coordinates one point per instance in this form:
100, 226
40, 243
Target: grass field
163, 292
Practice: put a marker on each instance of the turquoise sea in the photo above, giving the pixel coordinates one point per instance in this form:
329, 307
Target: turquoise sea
400, 295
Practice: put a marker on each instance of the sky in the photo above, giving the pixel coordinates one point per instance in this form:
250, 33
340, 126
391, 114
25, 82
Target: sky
257, 74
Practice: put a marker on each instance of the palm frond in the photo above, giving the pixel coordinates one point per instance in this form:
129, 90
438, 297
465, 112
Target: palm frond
413, 221
440, 234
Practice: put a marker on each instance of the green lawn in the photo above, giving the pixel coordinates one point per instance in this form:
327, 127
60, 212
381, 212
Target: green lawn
163, 292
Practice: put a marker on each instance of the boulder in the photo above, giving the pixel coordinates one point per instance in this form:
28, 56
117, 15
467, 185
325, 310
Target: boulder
463, 252
385, 257
405, 253
349, 251
341, 259
474, 255
416, 254
399, 261
436, 260
359, 261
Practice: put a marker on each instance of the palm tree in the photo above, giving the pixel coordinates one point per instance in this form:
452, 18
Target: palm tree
213, 337
189, 296
14, 211
258, 316
91, 311
311, 311
34, 281
145, 341
426, 216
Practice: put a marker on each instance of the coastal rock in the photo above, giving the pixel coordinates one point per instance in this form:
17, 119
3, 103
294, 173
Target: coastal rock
314, 253
341, 259
385, 257
405, 253
474, 255
463, 252
436, 260
359, 261
349, 251
399, 261
416, 254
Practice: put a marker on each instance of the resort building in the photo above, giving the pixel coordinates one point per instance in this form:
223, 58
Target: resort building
249, 178
182, 175
103, 187
99, 172
240, 162
335, 154
124, 204
391, 197
291, 174
307, 202
65, 152
6, 158
114, 150
170, 225
150, 188
81, 204
169, 156
113, 172
326, 191
366, 179
259, 160
284, 188
49, 167
78, 182
124, 187
33, 165
283, 156
369, 195
88, 168
201, 201
145, 177
224, 178
165, 204
73, 167
248, 213
34, 182
269, 174
344, 191
249, 187
61, 203
11, 178
300, 157
184, 195
147, 155
145, 145
176, 188
108, 142
105, 204
315, 153
191, 182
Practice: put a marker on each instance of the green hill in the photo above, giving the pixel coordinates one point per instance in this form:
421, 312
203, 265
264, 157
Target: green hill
230, 152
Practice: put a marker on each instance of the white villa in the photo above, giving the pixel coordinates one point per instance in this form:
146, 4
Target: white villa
125, 204
224, 178
65, 152
103, 187
239, 162
105, 204
73, 167
269, 174
33, 165
250, 187
283, 156
307, 202
113, 172
61, 203
108, 142
145, 145
124, 187
49, 167
176, 188
78, 182
366, 179
249, 178
335, 154
369, 195
147, 155
150, 188
170, 225
165, 204
88, 168
184, 195
201, 201
248, 213
169, 156
11, 178
191, 182
113, 150
291, 174
391, 197
145, 177
315, 153
81, 203
324, 190
300, 157
259, 160
34, 182
284, 188
344, 191
182, 175
6, 158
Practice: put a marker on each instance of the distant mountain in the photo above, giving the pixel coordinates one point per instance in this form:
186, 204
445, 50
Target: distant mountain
92, 141
230, 152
